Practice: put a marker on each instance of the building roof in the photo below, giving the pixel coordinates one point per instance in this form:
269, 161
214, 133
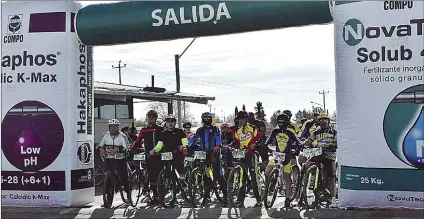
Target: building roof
112, 89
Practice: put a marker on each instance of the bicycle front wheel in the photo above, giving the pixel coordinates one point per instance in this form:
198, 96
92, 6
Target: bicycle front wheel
295, 174
108, 190
197, 186
271, 188
166, 189
234, 186
99, 172
135, 185
310, 187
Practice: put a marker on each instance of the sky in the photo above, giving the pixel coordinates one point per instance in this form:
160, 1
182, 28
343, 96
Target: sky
283, 68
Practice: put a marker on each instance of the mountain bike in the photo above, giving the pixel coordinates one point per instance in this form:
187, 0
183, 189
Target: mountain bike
314, 180
139, 177
199, 176
169, 181
235, 179
99, 171
113, 180
275, 180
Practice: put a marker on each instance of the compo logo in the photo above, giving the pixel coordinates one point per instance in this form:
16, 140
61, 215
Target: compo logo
15, 24
353, 32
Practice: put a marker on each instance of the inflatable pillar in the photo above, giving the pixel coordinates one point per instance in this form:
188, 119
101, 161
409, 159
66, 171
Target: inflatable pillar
47, 95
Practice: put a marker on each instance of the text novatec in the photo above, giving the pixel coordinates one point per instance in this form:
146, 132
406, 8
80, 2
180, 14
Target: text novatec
354, 32
84, 73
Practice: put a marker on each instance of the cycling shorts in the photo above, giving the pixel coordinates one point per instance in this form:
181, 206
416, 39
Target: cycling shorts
286, 164
329, 165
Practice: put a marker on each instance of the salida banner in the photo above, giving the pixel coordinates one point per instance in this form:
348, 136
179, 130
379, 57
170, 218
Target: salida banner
46, 99
380, 97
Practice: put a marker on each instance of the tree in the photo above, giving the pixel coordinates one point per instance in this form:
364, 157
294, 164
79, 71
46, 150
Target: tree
230, 119
139, 123
162, 110
259, 111
307, 114
273, 119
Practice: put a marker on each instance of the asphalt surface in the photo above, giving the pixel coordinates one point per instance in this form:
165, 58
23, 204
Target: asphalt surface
183, 210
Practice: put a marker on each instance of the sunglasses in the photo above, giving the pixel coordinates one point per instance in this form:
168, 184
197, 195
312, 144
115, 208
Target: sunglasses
207, 118
170, 120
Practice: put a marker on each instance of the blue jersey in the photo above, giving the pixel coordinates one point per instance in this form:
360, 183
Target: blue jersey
209, 138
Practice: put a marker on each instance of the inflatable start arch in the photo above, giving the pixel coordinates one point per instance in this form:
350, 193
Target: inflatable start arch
47, 88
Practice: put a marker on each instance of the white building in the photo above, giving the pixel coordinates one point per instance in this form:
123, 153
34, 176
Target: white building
116, 101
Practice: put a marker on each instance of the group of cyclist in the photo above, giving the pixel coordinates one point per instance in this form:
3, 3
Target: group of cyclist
247, 133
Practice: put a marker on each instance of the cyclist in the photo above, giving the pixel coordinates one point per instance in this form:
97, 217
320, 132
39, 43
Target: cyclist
211, 143
286, 141
246, 136
172, 139
149, 136
292, 124
115, 138
309, 127
187, 130
261, 148
302, 121
226, 134
326, 137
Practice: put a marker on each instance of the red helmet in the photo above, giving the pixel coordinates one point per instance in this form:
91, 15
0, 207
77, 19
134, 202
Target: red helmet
224, 125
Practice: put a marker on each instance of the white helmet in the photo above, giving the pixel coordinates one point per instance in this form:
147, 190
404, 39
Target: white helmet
113, 122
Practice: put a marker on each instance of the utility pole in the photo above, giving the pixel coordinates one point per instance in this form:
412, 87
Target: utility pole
177, 74
119, 67
323, 98
210, 108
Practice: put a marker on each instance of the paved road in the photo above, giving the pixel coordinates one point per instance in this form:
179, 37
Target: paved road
185, 211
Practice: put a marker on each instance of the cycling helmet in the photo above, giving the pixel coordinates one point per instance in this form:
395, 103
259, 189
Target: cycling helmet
324, 116
242, 115
224, 125
152, 114
288, 112
206, 115
170, 117
283, 118
187, 125
113, 122
251, 115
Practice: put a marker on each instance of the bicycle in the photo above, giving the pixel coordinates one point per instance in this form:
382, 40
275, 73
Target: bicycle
139, 177
169, 179
99, 171
112, 179
197, 182
235, 178
275, 179
314, 179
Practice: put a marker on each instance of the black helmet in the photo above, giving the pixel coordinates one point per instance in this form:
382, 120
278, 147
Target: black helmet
283, 118
242, 115
152, 114
187, 125
206, 115
251, 115
288, 112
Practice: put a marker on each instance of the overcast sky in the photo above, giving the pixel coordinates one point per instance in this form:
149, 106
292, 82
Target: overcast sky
284, 69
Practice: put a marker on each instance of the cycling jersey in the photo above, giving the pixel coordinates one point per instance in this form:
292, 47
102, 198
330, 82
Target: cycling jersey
295, 127
170, 140
209, 138
119, 140
308, 128
227, 138
325, 139
286, 139
246, 135
149, 137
